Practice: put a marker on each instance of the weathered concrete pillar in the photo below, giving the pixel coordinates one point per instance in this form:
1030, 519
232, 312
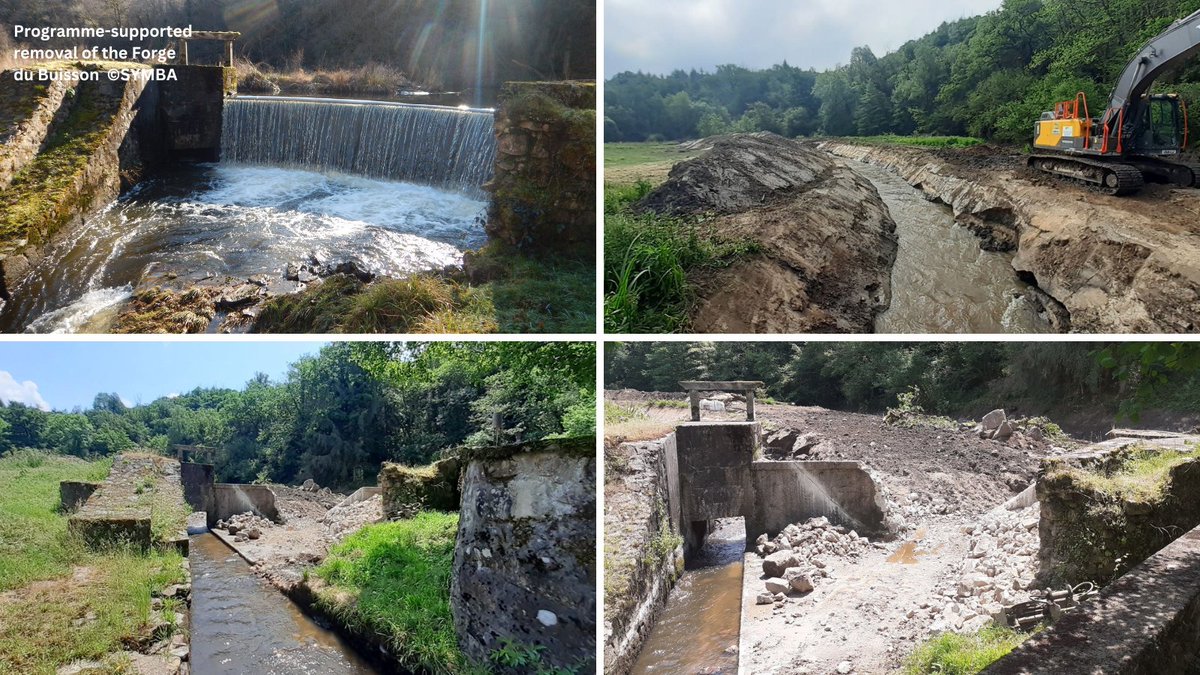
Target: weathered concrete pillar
694, 397
750, 405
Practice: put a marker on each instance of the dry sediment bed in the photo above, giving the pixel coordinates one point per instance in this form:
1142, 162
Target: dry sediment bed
1105, 264
826, 243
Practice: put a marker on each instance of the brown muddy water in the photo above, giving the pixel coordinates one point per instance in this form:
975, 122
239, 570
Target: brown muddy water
942, 281
242, 625
698, 630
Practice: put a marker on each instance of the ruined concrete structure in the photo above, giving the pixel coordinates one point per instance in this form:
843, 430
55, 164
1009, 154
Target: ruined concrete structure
710, 470
1147, 622
544, 189
525, 561
721, 476
407, 490
1091, 535
121, 509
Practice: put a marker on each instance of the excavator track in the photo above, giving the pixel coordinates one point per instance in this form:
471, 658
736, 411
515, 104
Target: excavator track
1114, 179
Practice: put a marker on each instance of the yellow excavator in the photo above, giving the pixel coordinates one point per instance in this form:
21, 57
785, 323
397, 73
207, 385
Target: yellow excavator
1139, 137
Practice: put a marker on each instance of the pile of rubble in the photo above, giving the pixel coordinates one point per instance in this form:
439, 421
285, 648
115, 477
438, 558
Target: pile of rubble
1017, 432
801, 555
999, 571
792, 444
245, 526
344, 520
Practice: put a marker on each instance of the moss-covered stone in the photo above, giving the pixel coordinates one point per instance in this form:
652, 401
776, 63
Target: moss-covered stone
1102, 518
408, 490
543, 193
580, 446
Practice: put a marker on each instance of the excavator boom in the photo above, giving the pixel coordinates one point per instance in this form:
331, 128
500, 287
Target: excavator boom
1176, 44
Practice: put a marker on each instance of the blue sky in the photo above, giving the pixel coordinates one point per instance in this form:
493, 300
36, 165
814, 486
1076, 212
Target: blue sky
63, 375
663, 35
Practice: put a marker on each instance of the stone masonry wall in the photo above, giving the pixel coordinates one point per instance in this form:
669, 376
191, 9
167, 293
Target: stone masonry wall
642, 556
1145, 623
1090, 536
121, 508
544, 189
525, 561
407, 490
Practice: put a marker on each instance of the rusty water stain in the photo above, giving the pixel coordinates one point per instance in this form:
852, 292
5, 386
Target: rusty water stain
908, 553
242, 625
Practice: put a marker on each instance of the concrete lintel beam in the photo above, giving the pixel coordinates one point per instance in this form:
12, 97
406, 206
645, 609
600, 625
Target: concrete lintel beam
727, 385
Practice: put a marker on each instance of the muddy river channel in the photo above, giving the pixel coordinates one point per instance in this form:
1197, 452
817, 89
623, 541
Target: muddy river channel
942, 281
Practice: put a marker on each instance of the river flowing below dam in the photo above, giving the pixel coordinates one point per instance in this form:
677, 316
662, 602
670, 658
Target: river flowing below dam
393, 188
242, 625
943, 282
697, 632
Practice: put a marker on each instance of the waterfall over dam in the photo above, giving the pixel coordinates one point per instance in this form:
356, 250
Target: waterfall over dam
442, 147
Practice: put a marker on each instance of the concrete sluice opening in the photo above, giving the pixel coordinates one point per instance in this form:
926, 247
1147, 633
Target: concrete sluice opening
942, 280
704, 606
242, 625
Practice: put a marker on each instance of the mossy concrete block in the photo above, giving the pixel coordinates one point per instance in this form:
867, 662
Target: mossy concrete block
100, 530
407, 490
72, 494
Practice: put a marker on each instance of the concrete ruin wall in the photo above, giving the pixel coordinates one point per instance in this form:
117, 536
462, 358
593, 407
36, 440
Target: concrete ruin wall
192, 108
72, 494
544, 189
786, 492
525, 561
1145, 623
643, 504
198, 483
714, 473
1088, 536
119, 511
720, 477
230, 500
407, 490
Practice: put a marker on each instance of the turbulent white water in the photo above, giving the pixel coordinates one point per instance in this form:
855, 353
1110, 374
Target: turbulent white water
235, 221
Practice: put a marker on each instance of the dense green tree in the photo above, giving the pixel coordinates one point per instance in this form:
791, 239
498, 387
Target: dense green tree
990, 76
71, 434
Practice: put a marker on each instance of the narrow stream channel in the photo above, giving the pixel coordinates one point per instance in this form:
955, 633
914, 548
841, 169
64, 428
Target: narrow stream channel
698, 630
242, 625
942, 281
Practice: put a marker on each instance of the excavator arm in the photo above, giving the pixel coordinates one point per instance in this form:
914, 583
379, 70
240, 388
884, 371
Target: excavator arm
1178, 43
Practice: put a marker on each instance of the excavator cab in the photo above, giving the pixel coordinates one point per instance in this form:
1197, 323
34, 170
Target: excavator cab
1162, 131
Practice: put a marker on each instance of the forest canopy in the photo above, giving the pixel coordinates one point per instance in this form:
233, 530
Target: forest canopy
433, 41
337, 415
989, 77
951, 378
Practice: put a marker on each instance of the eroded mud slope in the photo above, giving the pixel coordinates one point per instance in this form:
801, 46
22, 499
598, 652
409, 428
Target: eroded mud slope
827, 242
1116, 264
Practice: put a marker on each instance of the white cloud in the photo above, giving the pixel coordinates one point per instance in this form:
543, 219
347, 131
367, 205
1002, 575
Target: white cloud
173, 394
25, 392
124, 401
661, 36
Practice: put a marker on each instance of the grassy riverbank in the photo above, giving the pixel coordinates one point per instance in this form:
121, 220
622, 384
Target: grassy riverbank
60, 602
393, 580
512, 294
